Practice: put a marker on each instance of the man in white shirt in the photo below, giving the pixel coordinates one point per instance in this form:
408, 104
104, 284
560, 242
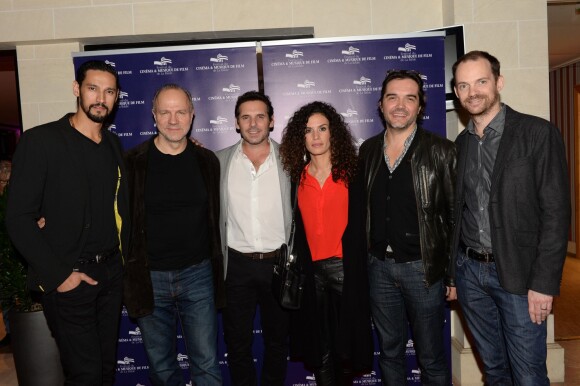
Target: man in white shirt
255, 220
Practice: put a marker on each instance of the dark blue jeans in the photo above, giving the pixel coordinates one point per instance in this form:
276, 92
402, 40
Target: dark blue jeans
399, 298
513, 349
187, 295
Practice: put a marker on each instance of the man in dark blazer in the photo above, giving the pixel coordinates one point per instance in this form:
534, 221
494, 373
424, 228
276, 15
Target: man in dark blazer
513, 214
175, 262
70, 173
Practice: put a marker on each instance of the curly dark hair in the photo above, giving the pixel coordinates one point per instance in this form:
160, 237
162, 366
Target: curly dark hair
294, 155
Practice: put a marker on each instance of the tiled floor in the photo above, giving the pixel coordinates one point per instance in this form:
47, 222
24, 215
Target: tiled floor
572, 363
7, 372
571, 347
567, 321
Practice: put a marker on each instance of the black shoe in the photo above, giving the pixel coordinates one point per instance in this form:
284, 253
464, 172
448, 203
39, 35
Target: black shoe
5, 341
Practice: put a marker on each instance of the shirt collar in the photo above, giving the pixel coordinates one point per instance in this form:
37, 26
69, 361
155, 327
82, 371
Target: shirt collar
497, 123
407, 141
406, 146
269, 160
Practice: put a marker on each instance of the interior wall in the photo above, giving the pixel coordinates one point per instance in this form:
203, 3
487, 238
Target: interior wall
45, 32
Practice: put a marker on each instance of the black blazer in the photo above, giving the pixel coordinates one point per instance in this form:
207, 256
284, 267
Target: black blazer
353, 338
529, 208
48, 180
138, 289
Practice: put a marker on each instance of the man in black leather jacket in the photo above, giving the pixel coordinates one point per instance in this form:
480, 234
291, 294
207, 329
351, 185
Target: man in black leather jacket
409, 175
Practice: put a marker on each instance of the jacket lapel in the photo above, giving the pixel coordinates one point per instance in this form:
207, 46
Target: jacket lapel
508, 140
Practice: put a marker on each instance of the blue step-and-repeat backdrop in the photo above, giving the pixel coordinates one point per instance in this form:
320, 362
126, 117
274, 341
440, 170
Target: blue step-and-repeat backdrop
346, 72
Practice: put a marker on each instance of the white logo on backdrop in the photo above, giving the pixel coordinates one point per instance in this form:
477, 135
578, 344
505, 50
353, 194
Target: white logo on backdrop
219, 59
349, 113
136, 331
351, 51
126, 361
162, 62
362, 81
407, 48
112, 64
218, 121
182, 360
231, 88
306, 84
113, 129
295, 54
125, 102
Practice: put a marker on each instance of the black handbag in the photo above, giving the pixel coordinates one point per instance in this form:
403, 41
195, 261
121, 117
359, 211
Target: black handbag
288, 278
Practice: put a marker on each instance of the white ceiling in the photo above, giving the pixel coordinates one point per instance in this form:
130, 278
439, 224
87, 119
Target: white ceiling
563, 32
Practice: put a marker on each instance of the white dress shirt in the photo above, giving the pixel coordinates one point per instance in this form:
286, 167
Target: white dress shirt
255, 219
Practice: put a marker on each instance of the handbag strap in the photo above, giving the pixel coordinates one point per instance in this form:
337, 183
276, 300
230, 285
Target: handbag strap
293, 226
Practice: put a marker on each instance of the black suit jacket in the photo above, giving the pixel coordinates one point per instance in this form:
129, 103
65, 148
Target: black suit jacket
529, 208
138, 289
49, 180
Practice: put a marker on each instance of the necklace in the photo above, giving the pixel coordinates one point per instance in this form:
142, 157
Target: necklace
99, 134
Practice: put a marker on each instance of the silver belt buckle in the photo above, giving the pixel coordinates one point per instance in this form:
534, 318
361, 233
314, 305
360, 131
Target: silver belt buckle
98, 258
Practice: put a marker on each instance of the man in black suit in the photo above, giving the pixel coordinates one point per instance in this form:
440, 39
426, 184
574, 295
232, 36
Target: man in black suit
513, 214
70, 173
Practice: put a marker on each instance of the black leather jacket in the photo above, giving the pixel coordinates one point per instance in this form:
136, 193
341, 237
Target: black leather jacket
434, 161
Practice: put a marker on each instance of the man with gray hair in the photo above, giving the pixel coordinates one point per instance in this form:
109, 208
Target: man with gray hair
175, 261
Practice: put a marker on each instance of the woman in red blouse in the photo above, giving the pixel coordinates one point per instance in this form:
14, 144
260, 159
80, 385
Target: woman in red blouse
331, 332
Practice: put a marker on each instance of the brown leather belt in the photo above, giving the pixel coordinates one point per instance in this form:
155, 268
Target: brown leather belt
256, 255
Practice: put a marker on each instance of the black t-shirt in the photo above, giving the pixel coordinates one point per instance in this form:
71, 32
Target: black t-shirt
102, 176
176, 210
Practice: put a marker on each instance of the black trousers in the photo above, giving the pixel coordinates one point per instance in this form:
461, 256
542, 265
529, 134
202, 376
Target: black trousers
328, 281
249, 284
85, 324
